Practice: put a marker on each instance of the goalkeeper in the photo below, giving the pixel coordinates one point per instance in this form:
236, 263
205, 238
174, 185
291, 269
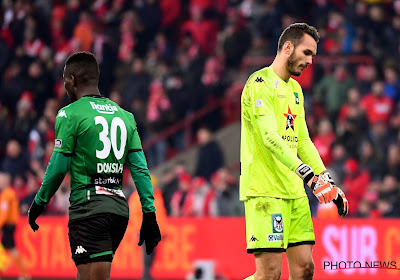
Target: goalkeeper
274, 132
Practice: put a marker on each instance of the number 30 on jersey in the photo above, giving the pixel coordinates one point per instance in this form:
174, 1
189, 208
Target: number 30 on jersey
107, 143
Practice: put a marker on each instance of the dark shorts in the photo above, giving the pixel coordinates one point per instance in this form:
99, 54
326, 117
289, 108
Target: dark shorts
8, 237
96, 238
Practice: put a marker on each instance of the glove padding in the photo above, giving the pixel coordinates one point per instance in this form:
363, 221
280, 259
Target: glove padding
341, 201
149, 232
33, 213
322, 189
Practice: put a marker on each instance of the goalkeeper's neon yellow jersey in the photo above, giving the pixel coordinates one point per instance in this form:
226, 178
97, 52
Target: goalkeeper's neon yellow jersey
273, 133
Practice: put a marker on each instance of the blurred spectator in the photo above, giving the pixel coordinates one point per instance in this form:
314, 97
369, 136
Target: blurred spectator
389, 197
393, 161
210, 156
331, 90
159, 115
234, 39
203, 202
364, 209
24, 120
338, 160
371, 161
380, 137
226, 194
32, 186
16, 160
137, 85
83, 31
323, 140
204, 31
377, 105
170, 181
392, 83
9, 217
182, 199
355, 184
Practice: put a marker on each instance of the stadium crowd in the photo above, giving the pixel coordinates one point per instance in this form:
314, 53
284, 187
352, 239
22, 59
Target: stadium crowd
163, 60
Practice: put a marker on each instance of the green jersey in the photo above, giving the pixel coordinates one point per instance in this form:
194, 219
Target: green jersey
97, 134
273, 133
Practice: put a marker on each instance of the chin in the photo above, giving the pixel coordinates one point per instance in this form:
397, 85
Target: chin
296, 74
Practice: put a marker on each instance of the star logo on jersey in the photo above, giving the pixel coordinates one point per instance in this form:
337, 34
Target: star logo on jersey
290, 119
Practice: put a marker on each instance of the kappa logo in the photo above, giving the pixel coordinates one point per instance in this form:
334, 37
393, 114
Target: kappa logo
277, 223
80, 250
259, 80
61, 114
253, 239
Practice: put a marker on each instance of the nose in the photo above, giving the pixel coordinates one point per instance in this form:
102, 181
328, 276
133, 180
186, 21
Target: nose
309, 60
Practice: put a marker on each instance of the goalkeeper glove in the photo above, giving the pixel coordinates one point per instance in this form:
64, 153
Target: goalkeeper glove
340, 198
149, 232
320, 186
33, 213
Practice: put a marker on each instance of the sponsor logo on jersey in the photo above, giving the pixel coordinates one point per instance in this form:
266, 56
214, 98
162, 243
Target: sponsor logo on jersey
61, 114
80, 250
290, 119
277, 223
109, 167
275, 237
109, 191
58, 143
259, 103
104, 109
259, 80
290, 138
296, 95
106, 180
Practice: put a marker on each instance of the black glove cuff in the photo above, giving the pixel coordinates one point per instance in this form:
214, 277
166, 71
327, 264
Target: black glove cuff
149, 216
35, 210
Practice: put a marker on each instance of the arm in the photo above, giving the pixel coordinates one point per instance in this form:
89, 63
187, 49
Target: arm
141, 176
149, 231
262, 102
275, 144
306, 149
58, 166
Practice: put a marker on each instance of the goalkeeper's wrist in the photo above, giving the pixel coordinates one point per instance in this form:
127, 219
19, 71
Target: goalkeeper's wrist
305, 172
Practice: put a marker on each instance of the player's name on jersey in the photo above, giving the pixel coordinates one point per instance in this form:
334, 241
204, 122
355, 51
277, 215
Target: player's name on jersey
104, 109
109, 167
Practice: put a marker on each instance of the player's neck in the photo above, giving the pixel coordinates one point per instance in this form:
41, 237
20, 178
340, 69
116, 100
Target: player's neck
88, 90
279, 67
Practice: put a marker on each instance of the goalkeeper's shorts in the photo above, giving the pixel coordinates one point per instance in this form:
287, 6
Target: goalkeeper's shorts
275, 224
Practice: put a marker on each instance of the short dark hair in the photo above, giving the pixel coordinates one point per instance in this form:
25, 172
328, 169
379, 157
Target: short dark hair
295, 32
83, 65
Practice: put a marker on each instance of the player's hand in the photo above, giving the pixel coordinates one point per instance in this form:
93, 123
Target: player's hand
323, 189
341, 201
33, 213
149, 232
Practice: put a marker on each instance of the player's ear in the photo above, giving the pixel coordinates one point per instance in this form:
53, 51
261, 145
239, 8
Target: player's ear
287, 47
73, 80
